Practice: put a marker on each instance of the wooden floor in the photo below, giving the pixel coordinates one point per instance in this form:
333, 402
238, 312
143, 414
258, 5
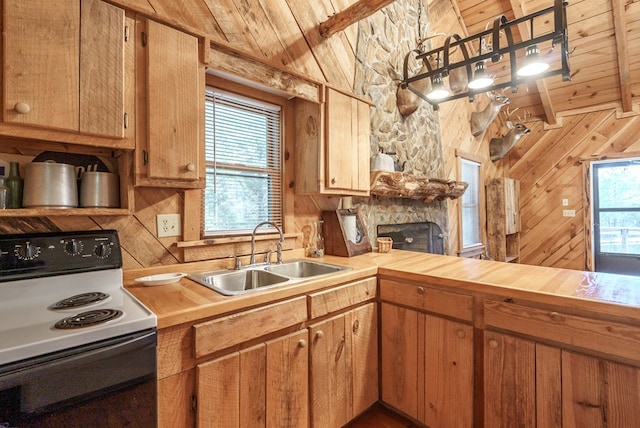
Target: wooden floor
379, 416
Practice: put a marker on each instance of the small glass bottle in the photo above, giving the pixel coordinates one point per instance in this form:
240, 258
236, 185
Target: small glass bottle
14, 185
3, 194
318, 250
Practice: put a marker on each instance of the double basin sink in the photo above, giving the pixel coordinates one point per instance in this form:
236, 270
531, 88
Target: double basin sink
260, 277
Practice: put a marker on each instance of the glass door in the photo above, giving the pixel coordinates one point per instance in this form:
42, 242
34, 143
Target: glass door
616, 216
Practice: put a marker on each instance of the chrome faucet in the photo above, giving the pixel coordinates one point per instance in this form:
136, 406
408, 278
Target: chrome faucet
278, 244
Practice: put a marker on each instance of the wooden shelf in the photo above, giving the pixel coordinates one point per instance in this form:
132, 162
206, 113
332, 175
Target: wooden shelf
401, 185
63, 212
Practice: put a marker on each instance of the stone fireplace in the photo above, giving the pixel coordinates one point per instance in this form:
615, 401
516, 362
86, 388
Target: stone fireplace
383, 41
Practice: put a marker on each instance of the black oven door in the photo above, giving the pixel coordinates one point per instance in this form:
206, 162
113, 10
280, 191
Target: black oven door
107, 384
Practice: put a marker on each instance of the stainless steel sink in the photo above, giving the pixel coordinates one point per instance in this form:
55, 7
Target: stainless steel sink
231, 283
260, 277
304, 269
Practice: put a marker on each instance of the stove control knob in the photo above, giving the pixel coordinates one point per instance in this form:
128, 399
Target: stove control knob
28, 251
103, 250
73, 247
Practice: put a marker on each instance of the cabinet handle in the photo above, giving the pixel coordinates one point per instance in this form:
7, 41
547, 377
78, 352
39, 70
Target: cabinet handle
302, 343
22, 108
320, 334
493, 343
555, 316
461, 334
191, 167
420, 290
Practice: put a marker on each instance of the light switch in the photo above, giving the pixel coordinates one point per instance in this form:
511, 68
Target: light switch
565, 202
568, 213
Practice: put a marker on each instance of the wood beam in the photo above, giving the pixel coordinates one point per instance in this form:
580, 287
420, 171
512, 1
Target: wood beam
519, 11
622, 47
354, 13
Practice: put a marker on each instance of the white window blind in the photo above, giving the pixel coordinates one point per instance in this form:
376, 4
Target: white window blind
243, 163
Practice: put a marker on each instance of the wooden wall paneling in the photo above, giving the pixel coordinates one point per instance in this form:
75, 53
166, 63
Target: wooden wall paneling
25, 225
337, 66
234, 26
197, 14
139, 242
286, 27
259, 27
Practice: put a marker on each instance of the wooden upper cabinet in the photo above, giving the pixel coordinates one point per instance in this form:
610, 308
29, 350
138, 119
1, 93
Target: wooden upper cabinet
64, 66
171, 145
348, 131
332, 145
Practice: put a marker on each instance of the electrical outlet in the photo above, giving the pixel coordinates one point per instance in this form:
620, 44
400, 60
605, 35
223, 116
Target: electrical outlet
169, 225
568, 213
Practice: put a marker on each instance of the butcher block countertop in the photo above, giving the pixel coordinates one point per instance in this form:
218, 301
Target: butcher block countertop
599, 293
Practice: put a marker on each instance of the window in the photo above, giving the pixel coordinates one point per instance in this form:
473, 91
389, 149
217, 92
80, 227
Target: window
616, 216
471, 206
243, 163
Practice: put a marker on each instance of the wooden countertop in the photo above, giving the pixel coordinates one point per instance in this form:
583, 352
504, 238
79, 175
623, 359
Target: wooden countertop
615, 295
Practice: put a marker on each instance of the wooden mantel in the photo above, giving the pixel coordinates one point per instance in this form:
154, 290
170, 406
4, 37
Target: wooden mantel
401, 185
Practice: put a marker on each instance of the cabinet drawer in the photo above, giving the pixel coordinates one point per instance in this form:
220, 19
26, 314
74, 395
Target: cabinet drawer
325, 302
603, 336
224, 332
430, 299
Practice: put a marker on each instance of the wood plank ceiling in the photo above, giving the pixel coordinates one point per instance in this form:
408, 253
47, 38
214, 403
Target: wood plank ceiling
604, 40
605, 55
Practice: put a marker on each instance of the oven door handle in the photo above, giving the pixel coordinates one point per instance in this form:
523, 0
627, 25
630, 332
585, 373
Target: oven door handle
23, 371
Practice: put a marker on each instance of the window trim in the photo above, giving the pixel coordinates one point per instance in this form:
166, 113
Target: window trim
277, 199
476, 249
193, 197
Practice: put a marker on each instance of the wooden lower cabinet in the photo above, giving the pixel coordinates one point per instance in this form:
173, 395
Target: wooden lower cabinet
266, 385
530, 384
427, 367
344, 366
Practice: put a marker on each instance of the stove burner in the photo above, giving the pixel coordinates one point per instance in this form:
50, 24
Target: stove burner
79, 300
88, 318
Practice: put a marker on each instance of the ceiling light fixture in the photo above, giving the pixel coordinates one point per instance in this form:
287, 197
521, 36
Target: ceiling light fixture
481, 78
533, 65
523, 58
438, 91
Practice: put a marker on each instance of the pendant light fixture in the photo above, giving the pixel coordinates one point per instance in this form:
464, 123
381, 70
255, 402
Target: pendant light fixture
522, 59
533, 65
481, 78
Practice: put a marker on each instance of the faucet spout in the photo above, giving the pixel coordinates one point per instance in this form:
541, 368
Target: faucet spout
253, 241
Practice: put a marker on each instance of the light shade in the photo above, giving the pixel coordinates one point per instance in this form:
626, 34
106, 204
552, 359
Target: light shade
533, 65
481, 78
438, 90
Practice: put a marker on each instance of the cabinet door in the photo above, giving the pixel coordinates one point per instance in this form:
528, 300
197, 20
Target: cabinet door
448, 380
218, 392
175, 400
287, 388
40, 59
175, 102
347, 143
362, 326
401, 366
509, 381
599, 393
329, 373
64, 65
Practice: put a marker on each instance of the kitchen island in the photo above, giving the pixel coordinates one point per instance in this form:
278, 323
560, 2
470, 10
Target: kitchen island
452, 332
